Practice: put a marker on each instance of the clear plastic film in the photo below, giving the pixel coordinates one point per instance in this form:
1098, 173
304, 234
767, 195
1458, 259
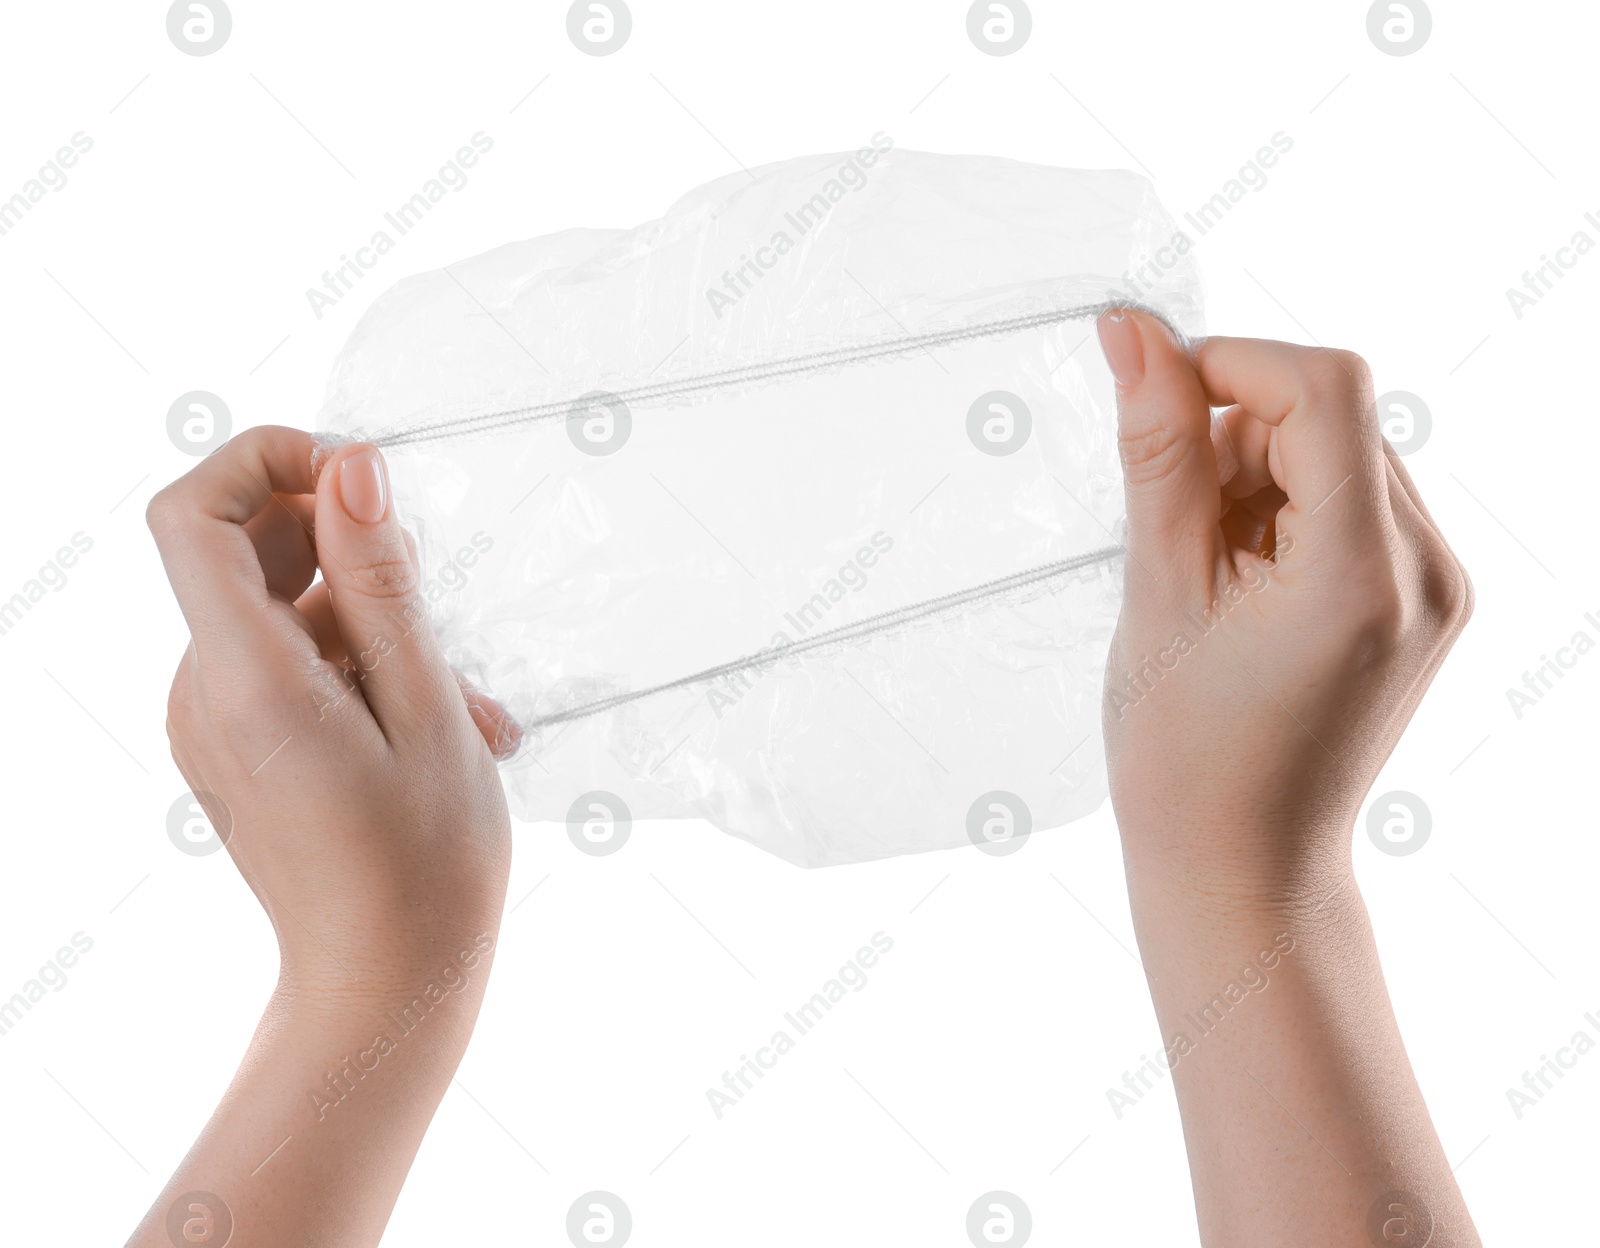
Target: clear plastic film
797, 510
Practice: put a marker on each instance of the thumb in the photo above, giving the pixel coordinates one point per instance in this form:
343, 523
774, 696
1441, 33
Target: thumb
372, 582
1164, 433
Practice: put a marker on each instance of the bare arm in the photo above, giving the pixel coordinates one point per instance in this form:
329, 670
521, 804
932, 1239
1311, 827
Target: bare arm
355, 789
314, 1137
1278, 631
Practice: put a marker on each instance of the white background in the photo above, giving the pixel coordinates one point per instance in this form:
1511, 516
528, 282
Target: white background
1419, 189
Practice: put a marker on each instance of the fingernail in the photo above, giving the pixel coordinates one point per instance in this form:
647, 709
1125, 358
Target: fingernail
507, 739
363, 487
1124, 349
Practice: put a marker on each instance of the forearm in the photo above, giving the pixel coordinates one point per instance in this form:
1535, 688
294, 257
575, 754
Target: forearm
312, 1141
1299, 1106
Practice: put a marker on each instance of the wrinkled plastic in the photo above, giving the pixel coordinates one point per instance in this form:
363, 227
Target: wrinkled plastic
802, 595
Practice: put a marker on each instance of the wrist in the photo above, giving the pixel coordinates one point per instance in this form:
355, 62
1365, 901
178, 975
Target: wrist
436, 975
1209, 883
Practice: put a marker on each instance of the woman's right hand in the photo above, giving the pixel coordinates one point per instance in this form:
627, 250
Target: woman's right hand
1278, 629
1277, 632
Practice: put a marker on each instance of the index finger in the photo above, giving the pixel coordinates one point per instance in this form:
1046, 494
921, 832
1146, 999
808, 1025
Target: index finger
198, 523
1328, 441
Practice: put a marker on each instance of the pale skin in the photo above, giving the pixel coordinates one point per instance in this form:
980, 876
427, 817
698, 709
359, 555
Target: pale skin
358, 775
367, 816
1237, 779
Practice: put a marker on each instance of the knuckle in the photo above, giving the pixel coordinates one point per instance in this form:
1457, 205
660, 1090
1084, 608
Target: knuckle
335, 694
1448, 595
237, 715
1379, 618
1384, 617
180, 716
1355, 368
181, 710
1468, 599
162, 512
388, 574
1337, 374
1152, 455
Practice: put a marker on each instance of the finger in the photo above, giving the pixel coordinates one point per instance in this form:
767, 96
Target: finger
201, 787
1448, 587
374, 587
199, 525
1445, 589
182, 718
341, 682
316, 608
1327, 445
1222, 446
1397, 466
1168, 461
1409, 521
1251, 440
1442, 587
1250, 524
501, 733
281, 534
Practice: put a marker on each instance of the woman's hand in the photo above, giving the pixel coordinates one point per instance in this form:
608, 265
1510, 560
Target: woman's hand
1277, 633
361, 792
352, 776
1279, 629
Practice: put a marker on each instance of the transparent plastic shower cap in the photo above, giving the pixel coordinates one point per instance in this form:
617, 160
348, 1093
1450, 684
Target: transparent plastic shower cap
797, 510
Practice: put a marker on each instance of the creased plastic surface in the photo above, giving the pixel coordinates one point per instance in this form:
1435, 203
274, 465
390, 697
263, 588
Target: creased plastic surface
818, 485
